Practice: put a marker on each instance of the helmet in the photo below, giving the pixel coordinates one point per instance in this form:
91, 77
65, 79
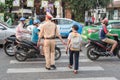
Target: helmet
36, 21
105, 21
48, 15
22, 19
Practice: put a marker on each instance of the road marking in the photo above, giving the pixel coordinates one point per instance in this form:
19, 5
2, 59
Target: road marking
93, 78
58, 61
59, 69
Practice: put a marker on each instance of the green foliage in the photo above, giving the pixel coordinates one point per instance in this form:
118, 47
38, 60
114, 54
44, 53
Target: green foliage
2, 7
79, 7
8, 4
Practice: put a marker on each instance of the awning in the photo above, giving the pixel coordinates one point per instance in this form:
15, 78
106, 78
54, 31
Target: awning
23, 11
115, 4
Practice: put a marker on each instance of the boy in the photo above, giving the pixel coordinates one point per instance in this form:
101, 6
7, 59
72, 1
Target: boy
74, 46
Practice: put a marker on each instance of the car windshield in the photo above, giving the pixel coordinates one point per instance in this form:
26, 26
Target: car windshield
115, 25
6, 24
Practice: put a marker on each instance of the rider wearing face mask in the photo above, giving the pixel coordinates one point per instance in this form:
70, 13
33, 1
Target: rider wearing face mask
104, 32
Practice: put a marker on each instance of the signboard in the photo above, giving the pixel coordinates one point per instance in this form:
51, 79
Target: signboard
2, 1
30, 3
57, 3
116, 0
16, 3
44, 3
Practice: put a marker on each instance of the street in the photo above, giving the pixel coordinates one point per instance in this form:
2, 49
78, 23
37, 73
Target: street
106, 68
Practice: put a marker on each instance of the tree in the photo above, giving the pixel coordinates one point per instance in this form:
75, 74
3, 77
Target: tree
9, 5
2, 7
79, 7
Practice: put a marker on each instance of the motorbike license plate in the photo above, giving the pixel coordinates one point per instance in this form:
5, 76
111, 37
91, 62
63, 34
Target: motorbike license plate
87, 45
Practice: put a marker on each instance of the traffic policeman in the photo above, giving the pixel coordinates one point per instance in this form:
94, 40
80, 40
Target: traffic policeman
49, 31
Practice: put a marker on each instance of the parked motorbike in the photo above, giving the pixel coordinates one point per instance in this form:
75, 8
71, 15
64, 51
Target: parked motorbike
97, 48
9, 45
27, 49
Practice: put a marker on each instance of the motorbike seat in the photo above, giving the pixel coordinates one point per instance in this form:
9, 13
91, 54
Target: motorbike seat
99, 41
11, 38
29, 42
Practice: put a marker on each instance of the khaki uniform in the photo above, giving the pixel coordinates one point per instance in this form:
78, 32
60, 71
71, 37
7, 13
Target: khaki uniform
48, 31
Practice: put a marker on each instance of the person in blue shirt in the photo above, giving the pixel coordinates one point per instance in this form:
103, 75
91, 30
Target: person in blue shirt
30, 21
35, 31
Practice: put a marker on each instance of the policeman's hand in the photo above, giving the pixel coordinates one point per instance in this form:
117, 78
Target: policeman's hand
64, 43
66, 50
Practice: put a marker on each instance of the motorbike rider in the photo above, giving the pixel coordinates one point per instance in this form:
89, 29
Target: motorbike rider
20, 30
35, 33
104, 32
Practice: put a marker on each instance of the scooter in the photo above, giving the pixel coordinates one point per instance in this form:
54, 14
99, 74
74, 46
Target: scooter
97, 48
27, 49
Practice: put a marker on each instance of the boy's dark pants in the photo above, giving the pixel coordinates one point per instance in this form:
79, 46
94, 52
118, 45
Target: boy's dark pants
76, 59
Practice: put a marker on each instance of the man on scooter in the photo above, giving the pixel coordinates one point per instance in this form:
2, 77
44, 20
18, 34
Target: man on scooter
35, 31
20, 31
104, 32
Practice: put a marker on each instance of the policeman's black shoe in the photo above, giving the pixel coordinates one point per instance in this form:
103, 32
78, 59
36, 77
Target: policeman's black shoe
47, 68
53, 67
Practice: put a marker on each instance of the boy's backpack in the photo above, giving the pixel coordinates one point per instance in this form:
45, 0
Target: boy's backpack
75, 42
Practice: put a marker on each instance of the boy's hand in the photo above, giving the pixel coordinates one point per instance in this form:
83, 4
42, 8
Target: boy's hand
66, 52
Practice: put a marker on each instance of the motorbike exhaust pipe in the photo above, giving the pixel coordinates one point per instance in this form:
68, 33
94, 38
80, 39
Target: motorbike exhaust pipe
100, 53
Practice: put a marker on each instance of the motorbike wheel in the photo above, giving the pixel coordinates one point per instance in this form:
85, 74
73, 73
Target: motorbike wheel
90, 54
20, 55
118, 54
57, 54
9, 49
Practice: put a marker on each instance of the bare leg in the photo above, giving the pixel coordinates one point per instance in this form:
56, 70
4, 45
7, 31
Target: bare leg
113, 47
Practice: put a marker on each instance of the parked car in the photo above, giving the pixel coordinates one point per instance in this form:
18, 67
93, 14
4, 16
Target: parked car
65, 26
5, 31
93, 31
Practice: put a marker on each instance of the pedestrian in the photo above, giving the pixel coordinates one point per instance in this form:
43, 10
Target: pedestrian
49, 31
86, 21
74, 47
30, 21
20, 31
93, 19
9, 20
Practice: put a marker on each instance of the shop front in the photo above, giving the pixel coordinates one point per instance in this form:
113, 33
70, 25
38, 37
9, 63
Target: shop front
114, 10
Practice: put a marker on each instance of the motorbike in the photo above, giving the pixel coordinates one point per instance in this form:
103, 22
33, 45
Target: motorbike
9, 45
97, 48
27, 49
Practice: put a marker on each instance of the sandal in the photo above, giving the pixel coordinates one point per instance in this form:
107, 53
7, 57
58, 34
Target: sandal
75, 72
70, 66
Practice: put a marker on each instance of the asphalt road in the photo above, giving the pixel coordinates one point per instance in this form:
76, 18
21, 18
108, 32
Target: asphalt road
106, 68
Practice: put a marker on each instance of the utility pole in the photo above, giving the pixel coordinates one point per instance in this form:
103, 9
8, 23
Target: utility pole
22, 8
